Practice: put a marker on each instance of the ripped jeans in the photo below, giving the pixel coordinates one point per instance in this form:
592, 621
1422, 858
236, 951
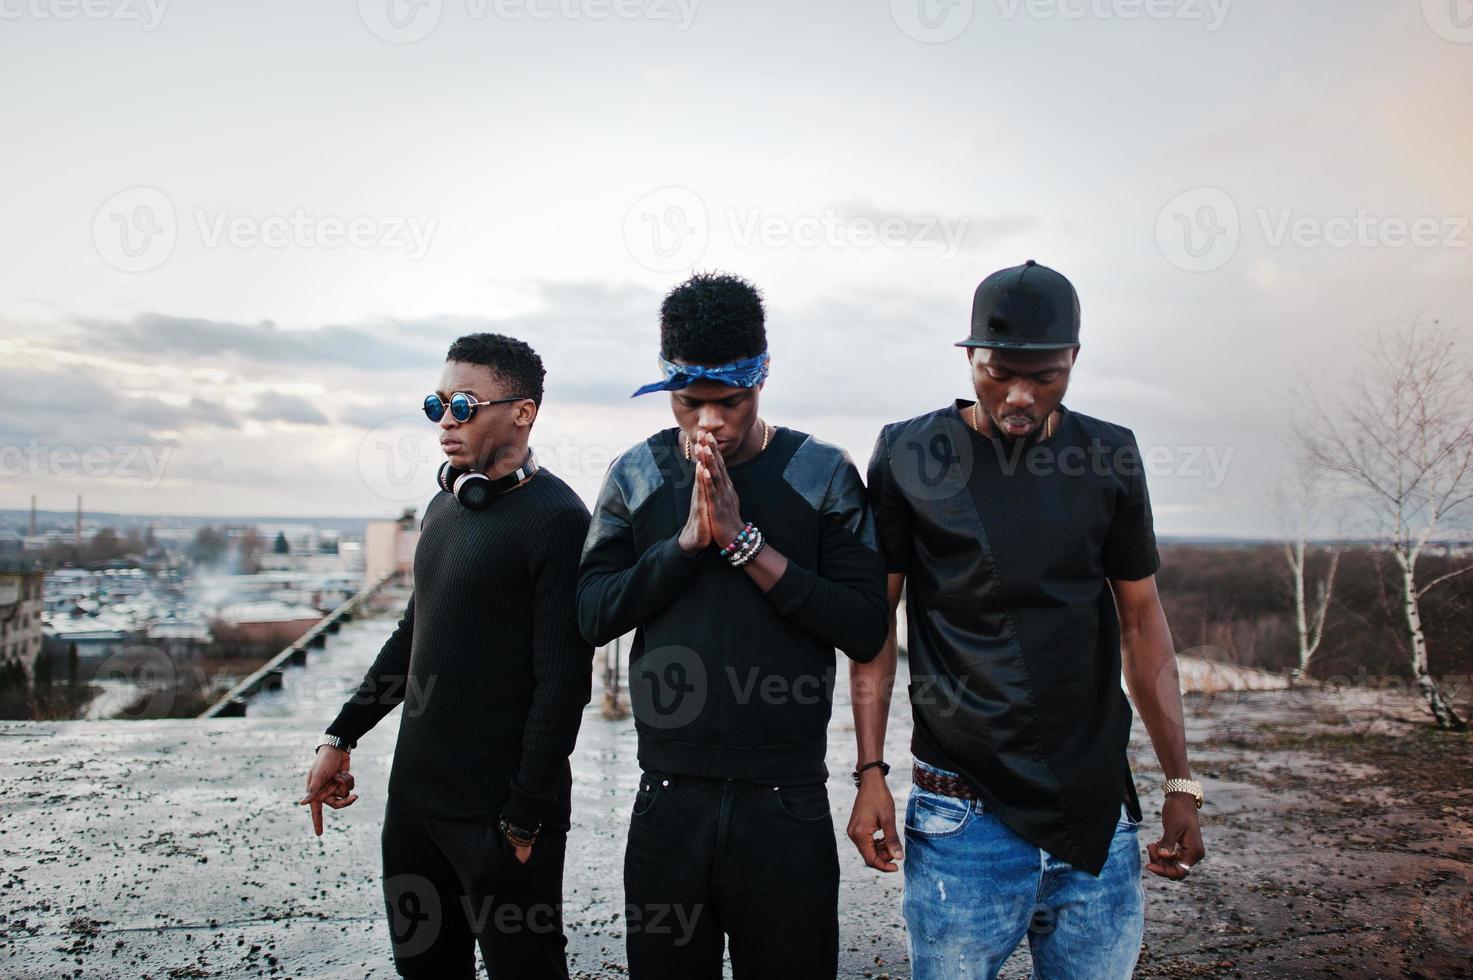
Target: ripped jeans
974, 889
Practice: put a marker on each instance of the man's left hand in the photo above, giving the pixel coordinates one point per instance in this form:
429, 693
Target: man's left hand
726, 506
1180, 847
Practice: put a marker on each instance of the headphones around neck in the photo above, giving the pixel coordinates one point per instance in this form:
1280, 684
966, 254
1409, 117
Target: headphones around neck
477, 491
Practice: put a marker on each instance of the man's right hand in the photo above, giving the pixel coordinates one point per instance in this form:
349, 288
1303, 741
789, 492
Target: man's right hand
695, 537
874, 813
329, 782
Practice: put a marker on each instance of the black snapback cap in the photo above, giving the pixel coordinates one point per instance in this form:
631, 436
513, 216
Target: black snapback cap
1027, 307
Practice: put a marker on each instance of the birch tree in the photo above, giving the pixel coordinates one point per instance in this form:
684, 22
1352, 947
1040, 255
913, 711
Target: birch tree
1401, 437
1305, 508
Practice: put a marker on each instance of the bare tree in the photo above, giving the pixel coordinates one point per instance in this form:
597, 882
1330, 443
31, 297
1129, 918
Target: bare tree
1305, 508
1402, 439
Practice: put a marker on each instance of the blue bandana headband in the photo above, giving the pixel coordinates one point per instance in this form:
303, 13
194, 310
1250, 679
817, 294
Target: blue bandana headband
738, 374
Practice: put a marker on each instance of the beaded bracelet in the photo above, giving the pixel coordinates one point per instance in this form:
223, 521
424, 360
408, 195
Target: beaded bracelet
516, 836
742, 537
747, 554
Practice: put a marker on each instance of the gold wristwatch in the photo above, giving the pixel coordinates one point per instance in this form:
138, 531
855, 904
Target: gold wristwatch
1186, 786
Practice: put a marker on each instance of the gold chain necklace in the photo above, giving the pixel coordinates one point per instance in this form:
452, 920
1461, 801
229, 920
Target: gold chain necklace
766, 434
1048, 423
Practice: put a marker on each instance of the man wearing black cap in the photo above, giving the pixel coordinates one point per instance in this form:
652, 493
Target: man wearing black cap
741, 554
1021, 532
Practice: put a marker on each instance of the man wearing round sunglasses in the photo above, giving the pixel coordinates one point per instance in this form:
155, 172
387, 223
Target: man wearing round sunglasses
741, 554
493, 675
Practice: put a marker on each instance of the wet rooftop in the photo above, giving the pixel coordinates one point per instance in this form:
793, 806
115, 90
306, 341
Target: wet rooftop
174, 848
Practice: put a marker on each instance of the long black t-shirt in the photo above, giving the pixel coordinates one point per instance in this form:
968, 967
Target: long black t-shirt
726, 680
1014, 643
487, 661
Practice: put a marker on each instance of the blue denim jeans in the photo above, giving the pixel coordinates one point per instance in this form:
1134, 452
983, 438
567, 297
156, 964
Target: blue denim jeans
974, 889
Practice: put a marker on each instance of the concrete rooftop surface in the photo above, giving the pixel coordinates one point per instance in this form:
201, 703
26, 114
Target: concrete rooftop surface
1339, 831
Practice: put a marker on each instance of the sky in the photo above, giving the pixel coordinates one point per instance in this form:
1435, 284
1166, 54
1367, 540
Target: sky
240, 238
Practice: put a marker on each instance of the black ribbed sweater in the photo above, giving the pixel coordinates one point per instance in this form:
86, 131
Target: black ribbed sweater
487, 660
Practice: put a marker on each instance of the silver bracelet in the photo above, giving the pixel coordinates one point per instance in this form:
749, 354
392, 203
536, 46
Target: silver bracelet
335, 742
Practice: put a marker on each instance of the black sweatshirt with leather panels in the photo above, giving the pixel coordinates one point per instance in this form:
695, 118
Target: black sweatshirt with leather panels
726, 680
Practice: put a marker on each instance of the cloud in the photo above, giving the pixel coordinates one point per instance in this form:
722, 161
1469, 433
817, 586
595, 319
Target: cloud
83, 407
276, 406
149, 337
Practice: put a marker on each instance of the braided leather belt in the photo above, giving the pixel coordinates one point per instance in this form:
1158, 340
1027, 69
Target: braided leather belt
943, 785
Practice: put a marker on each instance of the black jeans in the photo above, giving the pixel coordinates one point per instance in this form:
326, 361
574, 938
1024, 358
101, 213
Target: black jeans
449, 884
714, 857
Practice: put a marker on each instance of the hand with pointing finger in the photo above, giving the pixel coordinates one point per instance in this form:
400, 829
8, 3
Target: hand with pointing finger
329, 783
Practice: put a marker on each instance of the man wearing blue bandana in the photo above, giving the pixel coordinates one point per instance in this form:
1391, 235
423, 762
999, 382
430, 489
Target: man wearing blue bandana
741, 555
